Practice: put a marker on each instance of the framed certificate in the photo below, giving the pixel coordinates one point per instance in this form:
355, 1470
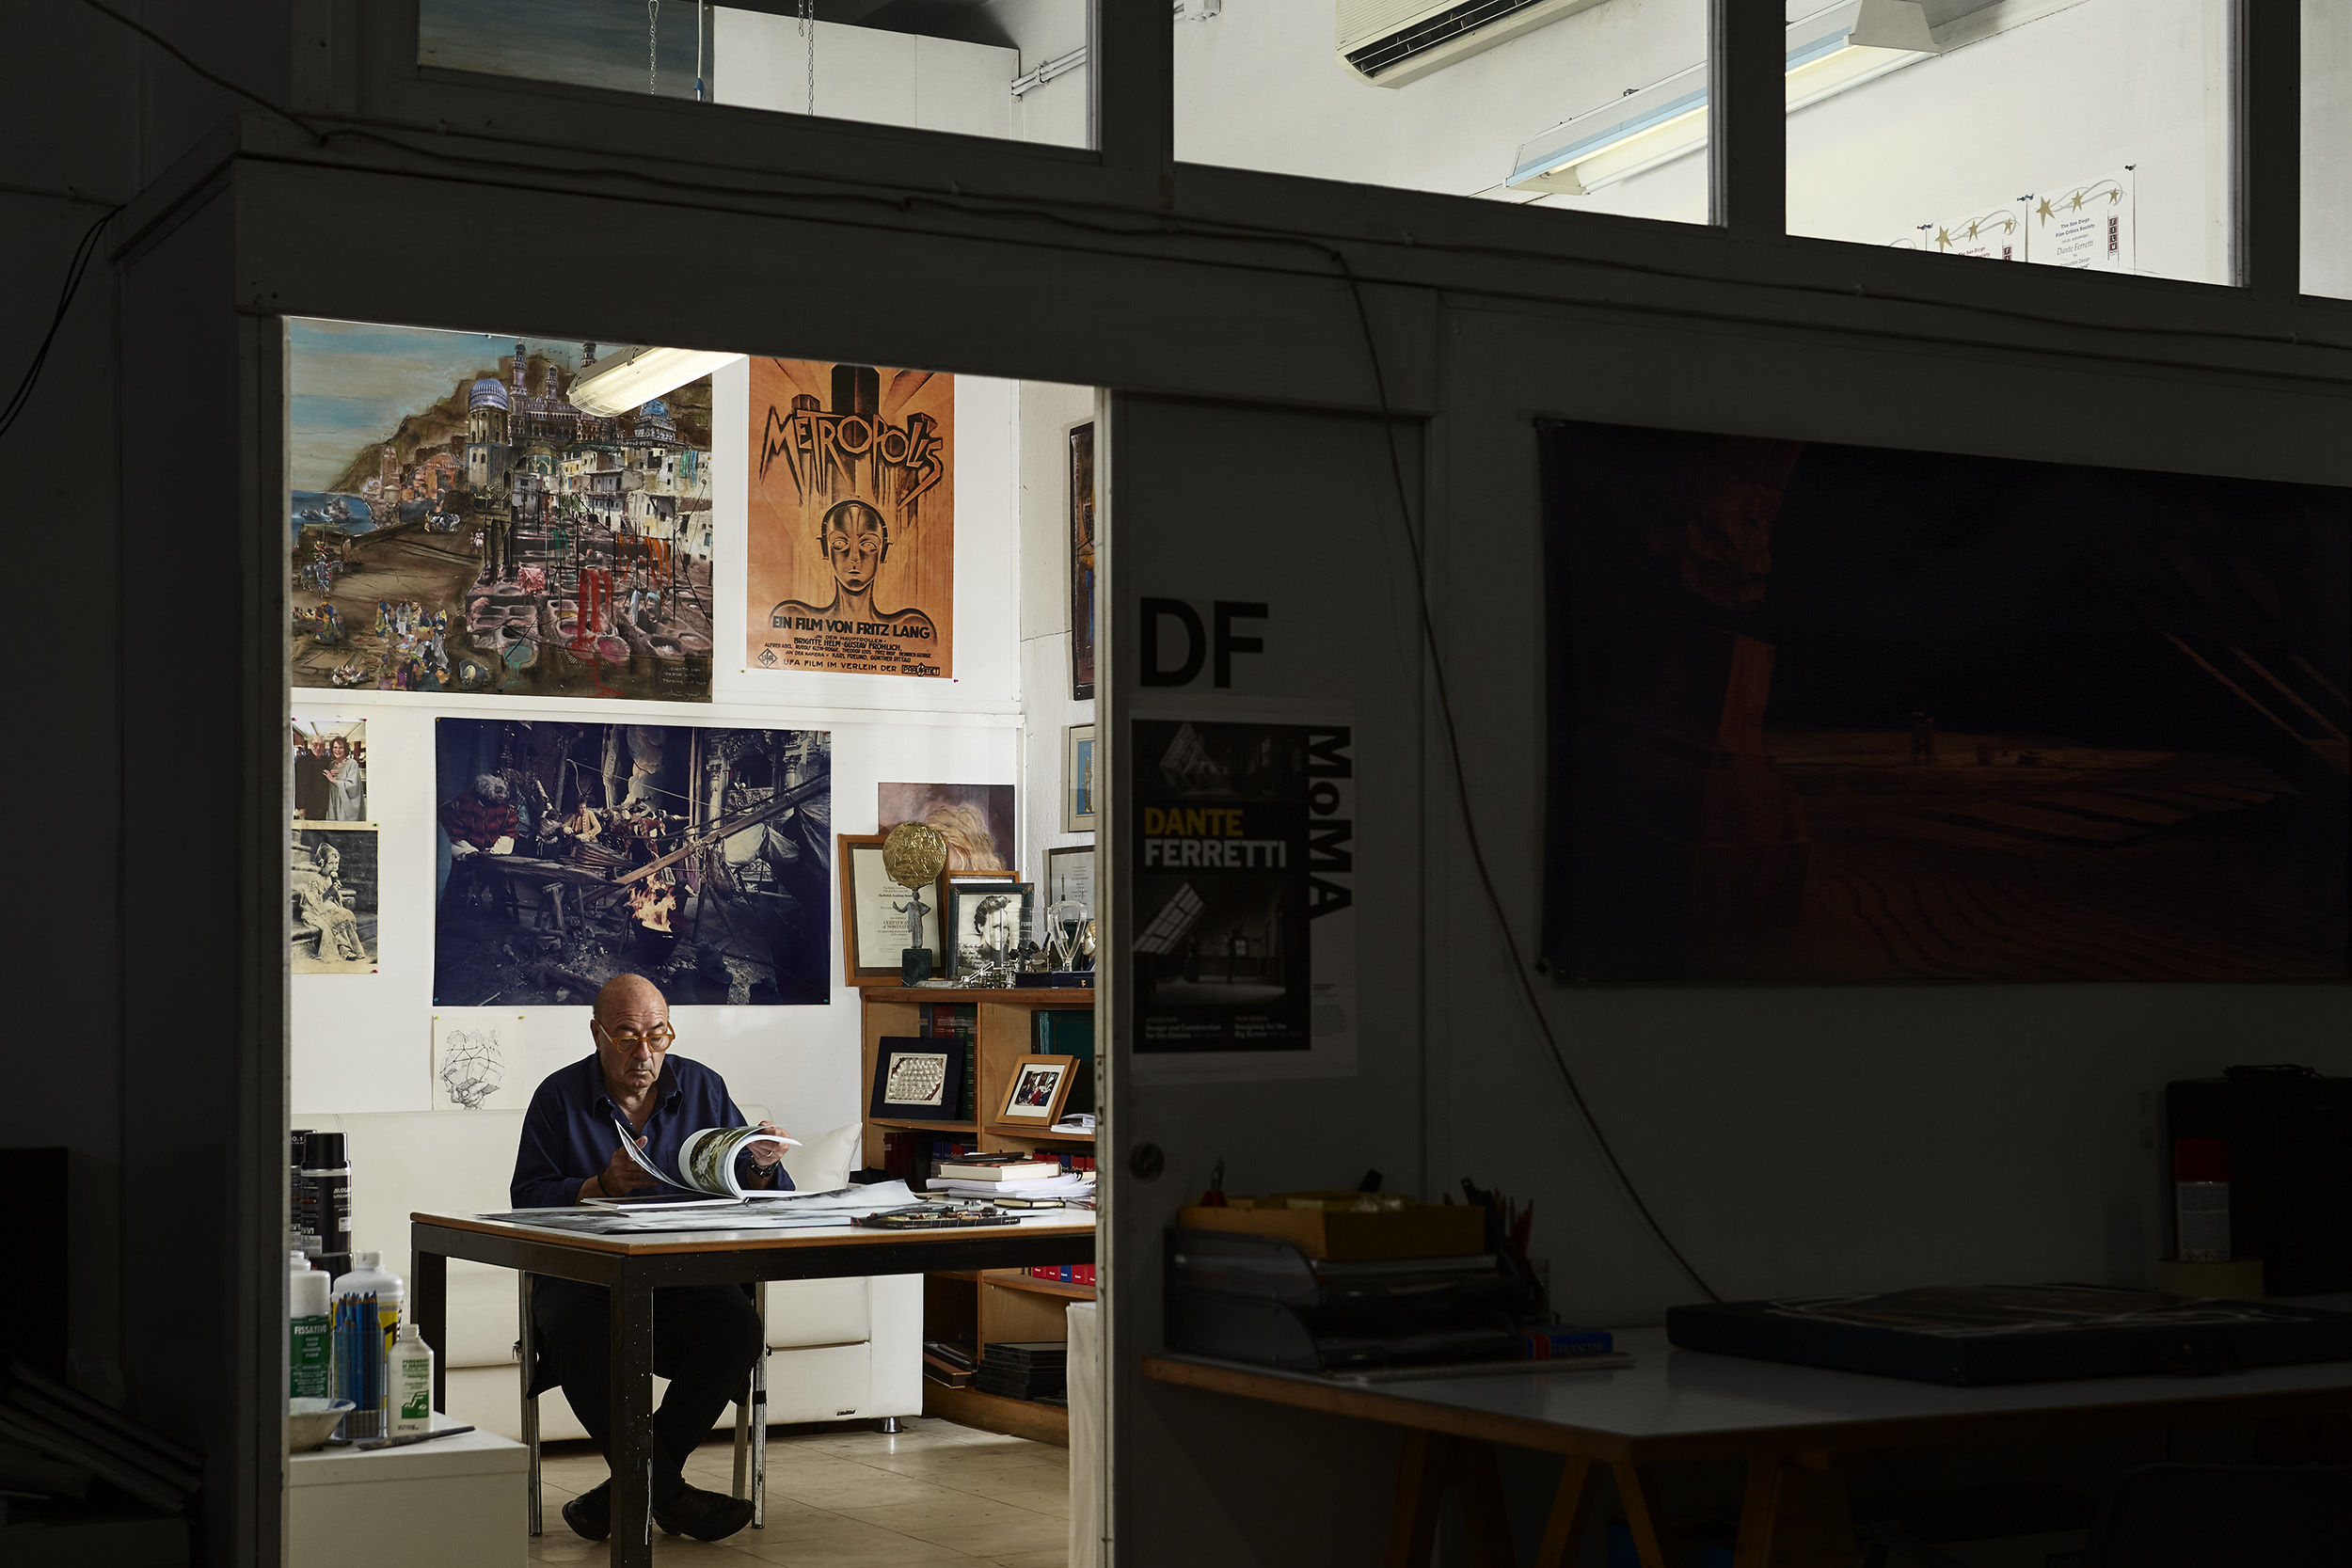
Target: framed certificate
873, 914
918, 1078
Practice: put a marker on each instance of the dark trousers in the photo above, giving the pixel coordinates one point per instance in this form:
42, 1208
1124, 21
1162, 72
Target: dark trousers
704, 1339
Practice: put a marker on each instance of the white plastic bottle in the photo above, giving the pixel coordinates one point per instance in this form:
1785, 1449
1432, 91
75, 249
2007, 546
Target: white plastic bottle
412, 1383
368, 1275
310, 1352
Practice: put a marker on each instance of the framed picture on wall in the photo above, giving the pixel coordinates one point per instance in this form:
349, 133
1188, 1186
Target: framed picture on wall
918, 1078
988, 919
874, 913
1077, 780
1040, 1087
1069, 874
1082, 562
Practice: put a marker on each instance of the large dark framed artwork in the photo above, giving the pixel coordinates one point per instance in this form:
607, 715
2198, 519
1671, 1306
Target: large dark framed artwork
1827, 712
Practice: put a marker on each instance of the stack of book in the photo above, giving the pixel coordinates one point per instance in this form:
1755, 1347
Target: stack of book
1024, 1369
949, 1363
1065, 1273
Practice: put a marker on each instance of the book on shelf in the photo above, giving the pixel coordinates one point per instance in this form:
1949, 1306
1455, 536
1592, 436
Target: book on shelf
959, 1020
957, 1355
997, 1167
945, 1373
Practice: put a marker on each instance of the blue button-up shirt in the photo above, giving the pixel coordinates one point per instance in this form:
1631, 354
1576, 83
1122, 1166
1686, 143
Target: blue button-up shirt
568, 1133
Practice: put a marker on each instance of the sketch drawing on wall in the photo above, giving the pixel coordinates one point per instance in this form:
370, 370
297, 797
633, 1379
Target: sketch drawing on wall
1827, 712
700, 858
851, 556
456, 524
472, 1066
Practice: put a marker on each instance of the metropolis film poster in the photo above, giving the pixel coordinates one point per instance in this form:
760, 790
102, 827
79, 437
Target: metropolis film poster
455, 523
1244, 878
852, 554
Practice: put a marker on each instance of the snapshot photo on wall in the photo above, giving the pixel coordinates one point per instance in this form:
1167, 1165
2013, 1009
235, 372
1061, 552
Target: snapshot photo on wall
977, 820
1824, 713
700, 858
458, 523
852, 554
1081, 564
334, 898
330, 769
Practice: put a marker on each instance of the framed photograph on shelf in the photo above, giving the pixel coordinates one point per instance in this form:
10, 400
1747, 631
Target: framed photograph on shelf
1041, 1085
988, 919
1078, 798
873, 914
917, 1078
1082, 562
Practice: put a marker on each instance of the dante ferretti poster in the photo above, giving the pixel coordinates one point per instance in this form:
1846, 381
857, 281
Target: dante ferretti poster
852, 519
1245, 854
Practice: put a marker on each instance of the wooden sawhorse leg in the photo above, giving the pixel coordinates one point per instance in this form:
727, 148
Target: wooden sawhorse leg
1433, 1461
1795, 1514
1563, 1531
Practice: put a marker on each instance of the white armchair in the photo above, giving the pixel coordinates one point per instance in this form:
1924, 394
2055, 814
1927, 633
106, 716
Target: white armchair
837, 1349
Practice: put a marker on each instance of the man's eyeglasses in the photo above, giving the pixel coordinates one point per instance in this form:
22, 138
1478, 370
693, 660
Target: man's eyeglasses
659, 1036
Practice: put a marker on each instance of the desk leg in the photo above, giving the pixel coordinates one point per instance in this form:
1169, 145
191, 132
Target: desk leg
632, 1422
1430, 1462
428, 1290
527, 1357
1795, 1514
1641, 1513
1564, 1531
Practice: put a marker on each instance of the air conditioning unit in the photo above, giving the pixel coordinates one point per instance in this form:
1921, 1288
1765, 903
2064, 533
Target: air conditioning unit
1390, 43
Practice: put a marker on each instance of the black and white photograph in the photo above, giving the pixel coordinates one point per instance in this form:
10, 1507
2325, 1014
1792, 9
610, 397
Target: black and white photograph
988, 919
918, 1078
698, 858
334, 902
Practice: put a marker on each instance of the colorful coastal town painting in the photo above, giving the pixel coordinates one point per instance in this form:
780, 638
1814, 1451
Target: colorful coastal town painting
456, 524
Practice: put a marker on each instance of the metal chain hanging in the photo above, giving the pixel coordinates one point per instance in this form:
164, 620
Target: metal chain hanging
653, 24
808, 31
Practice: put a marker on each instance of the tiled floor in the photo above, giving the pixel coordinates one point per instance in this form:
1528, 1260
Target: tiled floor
935, 1492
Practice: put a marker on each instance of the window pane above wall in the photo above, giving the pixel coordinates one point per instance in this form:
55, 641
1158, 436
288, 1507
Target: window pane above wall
1013, 69
2068, 133
1594, 105
2327, 147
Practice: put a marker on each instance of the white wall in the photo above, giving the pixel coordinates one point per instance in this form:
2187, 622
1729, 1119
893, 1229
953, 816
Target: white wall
2029, 94
761, 61
364, 1042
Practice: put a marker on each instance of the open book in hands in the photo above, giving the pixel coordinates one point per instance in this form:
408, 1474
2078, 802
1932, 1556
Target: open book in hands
705, 1161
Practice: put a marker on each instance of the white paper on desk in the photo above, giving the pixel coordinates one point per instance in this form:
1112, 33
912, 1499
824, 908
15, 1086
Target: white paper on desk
780, 1212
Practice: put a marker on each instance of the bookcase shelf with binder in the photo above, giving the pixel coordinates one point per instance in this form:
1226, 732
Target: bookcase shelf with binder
1001, 1305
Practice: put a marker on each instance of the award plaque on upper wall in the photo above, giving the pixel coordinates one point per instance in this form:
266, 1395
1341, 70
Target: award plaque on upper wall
851, 548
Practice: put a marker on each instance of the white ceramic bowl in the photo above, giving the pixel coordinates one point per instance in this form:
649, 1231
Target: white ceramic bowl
310, 1423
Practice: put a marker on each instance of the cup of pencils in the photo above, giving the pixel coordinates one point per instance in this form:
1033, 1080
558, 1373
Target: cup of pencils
360, 1373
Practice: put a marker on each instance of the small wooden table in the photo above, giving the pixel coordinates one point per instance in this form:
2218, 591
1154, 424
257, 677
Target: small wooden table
1792, 1426
633, 1266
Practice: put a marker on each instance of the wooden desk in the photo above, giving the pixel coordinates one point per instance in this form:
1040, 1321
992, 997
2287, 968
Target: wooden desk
1791, 1425
632, 1267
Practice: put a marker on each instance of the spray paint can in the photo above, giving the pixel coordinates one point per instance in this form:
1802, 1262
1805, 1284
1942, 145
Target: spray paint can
326, 1173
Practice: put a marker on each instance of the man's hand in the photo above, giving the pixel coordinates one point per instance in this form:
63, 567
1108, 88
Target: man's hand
766, 1153
620, 1177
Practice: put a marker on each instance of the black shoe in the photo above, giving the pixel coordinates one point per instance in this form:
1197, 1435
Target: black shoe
589, 1515
704, 1515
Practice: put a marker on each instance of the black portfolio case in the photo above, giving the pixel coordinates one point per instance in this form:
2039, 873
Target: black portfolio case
1971, 1336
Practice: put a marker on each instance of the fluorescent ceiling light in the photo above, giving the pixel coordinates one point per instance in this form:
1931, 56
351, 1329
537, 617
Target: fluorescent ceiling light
621, 384
1828, 51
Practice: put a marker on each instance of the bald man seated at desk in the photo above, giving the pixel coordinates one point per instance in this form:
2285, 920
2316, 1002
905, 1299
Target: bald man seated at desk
704, 1336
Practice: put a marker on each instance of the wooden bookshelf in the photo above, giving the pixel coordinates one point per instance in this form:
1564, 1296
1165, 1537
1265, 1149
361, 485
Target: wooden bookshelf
1000, 1305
